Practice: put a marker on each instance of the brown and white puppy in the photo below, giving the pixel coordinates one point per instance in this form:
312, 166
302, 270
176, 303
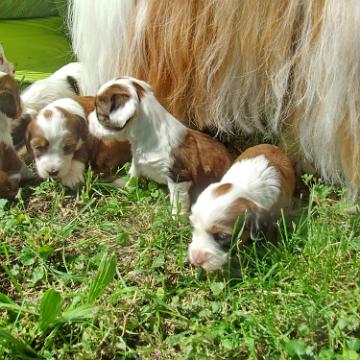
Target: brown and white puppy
11, 167
61, 145
258, 185
163, 149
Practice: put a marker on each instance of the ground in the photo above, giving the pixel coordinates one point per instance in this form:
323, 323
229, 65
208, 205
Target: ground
102, 273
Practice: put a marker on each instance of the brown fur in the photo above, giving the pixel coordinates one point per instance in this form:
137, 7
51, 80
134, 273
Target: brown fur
106, 155
10, 164
199, 159
278, 159
10, 103
222, 189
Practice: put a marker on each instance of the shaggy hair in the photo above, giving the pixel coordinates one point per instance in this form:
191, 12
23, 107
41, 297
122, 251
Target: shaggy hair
289, 68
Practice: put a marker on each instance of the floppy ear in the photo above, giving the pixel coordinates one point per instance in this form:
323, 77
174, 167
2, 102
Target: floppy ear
8, 104
141, 87
19, 131
82, 128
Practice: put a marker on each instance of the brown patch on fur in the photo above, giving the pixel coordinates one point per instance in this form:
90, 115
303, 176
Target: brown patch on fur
47, 113
10, 164
9, 161
280, 161
8, 186
114, 97
18, 131
109, 155
199, 159
87, 103
222, 189
10, 103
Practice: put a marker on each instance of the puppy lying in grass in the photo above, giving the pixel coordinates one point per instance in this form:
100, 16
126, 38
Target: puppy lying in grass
12, 169
163, 149
59, 140
258, 185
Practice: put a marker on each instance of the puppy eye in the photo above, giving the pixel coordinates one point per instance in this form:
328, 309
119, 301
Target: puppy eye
222, 239
38, 147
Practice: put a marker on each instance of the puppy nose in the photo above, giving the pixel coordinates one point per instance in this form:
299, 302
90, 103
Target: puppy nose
199, 257
53, 172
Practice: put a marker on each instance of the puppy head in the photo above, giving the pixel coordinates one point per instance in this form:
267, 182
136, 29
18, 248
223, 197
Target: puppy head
117, 104
5, 65
10, 102
54, 135
8, 185
219, 212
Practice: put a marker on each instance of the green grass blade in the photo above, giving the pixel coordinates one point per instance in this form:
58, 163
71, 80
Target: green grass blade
19, 349
103, 277
50, 308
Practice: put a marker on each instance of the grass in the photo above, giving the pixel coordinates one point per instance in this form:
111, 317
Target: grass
102, 273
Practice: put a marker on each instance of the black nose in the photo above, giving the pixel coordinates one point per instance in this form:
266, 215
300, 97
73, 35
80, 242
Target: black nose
53, 172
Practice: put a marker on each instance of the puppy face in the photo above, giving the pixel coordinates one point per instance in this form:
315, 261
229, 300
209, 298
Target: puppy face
55, 135
213, 217
10, 102
8, 185
117, 104
5, 65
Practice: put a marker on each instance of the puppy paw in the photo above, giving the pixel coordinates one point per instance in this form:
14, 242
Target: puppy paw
120, 183
72, 180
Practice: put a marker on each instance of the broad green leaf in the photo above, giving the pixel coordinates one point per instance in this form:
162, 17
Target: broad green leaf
79, 313
27, 256
50, 307
103, 277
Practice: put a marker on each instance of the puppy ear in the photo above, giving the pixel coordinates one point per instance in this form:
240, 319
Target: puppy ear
19, 130
8, 104
28, 133
82, 128
141, 87
73, 84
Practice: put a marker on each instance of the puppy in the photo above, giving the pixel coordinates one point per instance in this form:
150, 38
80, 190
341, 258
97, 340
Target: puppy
61, 145
12, 169
63, 83
163, 149
258, 185
5, 65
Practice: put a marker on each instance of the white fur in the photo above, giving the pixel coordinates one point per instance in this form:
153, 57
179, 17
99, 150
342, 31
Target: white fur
179, 196
152, 134
75, 174
5, 65
96, 28
305, 71
54, 129
253, 179
44, 92
5, 130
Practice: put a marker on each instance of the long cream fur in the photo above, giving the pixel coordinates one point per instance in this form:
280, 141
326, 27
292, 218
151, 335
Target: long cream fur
289, 68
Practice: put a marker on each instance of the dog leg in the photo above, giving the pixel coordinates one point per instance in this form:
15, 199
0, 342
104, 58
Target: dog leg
75, 175
179, 196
